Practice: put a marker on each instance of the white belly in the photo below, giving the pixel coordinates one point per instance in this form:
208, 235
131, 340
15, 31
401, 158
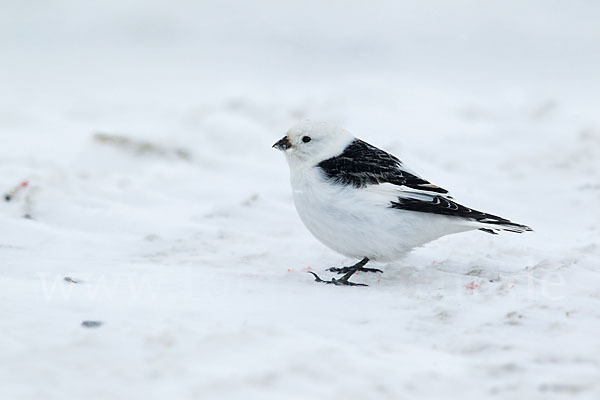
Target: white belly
357, 223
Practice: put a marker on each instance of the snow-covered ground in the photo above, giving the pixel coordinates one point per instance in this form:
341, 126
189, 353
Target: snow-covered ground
144, 133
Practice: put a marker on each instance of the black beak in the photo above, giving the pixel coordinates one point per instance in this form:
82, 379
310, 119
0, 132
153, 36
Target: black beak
283, 144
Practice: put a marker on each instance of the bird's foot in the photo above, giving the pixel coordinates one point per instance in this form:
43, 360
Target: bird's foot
345, 270
343, 281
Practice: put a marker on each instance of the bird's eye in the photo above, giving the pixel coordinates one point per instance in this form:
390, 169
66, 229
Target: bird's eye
306, 139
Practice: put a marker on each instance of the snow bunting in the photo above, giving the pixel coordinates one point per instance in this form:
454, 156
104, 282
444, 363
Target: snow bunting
365, 203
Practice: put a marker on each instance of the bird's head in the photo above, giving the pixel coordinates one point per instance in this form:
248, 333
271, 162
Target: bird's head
309, 142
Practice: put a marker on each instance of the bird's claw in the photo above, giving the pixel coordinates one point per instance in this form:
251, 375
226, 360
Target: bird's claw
318, 278
337, 282
348, 269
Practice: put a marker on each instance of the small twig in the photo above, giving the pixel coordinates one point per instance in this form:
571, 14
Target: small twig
28, 202
15, 191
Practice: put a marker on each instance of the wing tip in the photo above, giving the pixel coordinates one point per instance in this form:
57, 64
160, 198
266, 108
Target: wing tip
429, 187
490, 231
507, 227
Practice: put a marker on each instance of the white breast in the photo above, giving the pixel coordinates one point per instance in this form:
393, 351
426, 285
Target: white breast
359, 222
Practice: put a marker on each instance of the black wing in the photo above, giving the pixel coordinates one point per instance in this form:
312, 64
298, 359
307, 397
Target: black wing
361, 164
444, 206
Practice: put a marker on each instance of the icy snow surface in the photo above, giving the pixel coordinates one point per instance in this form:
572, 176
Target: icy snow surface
144, 133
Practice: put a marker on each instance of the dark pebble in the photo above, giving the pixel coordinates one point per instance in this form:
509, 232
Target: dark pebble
91, 324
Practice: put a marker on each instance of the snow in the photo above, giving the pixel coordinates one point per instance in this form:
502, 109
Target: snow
180, 231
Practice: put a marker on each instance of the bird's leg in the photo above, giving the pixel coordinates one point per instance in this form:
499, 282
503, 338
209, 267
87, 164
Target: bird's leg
358, 267
347, 274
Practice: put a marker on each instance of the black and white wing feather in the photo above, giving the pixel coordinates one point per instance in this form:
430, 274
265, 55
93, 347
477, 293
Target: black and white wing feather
361, 165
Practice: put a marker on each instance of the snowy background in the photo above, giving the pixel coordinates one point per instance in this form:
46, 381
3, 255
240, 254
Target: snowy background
141, 133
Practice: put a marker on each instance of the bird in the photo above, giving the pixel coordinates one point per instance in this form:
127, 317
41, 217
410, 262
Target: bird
365, 203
